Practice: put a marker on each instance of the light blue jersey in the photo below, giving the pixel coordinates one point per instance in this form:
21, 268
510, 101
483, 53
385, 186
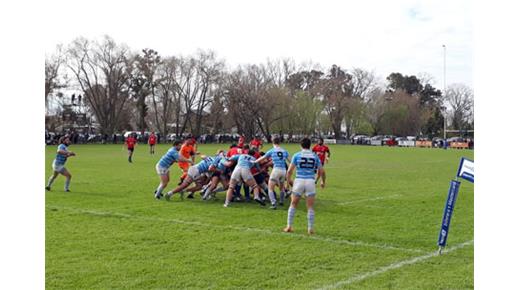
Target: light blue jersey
169, 158
220, 162
244, 160
203, 166
306, 163
278, 155
60, 158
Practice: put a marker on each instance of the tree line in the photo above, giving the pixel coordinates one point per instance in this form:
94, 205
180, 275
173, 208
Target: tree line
142, 90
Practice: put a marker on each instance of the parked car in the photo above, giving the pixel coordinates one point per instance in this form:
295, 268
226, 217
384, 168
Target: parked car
376, 140
358, 139
389, 140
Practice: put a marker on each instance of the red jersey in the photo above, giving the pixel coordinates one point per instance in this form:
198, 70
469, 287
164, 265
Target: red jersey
234, 151
320, 150
130, 142
241, 141
256, 142
263, 165
152, 139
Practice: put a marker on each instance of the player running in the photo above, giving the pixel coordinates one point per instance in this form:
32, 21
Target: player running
242, 173
196, 173
277, 178
321, 150
306, 163
163, 167
151, 141
130, 142
58, 165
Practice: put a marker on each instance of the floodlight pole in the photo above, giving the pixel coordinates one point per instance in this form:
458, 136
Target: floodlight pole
445, 111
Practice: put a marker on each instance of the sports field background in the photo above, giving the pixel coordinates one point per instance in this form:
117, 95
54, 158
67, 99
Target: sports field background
377, 224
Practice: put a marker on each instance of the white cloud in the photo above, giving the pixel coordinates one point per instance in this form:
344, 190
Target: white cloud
386, 36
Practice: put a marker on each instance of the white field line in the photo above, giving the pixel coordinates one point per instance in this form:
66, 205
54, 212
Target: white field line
393, 266
370, 199
239, 228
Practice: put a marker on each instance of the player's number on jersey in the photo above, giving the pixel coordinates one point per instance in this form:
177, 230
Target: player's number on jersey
280, 155
307, 163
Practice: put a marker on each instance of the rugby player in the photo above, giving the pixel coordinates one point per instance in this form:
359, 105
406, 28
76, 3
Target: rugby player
58, 165
277, 178
305, 163
163, 167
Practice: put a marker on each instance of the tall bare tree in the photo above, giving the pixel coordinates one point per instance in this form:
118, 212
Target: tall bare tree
102, 71
53, 65
460, 102
166, 102
144, 83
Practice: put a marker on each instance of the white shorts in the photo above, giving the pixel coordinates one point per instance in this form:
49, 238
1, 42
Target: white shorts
58, 168
193, 173
241, 173
161, 170
278, 175
304, 186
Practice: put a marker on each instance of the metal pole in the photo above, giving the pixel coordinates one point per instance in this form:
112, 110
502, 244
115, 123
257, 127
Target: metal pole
445, 112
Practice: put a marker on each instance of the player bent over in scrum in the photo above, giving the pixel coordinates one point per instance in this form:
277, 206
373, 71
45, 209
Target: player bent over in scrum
163, 167
278, 155
195, 174
58, 165
305, 162
242, 172
221, 174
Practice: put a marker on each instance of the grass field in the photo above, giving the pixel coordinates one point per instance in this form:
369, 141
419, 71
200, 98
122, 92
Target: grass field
377, 224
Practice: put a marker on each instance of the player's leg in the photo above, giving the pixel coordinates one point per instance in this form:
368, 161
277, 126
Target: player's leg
272, 197
230, 191
51, 179
199, 183
291, 212
281, 185
212, 185
185, 183
68, 177
130, 153
184, 167
164, 175
310, 213
256, 189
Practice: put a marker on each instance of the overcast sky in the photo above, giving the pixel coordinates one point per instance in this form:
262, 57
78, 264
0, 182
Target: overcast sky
384, 36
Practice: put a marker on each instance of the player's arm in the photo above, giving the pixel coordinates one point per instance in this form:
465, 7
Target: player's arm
288, 176
184, 159
66, 153
231, 161
266, 155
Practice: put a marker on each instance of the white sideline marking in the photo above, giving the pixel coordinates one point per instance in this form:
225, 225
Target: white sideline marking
264, 231
369, 199
393, 266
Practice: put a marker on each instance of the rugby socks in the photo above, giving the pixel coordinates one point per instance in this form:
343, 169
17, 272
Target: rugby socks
219, 189
51, 180
159, 189
290, 216
272, 197
67, 183
310, 219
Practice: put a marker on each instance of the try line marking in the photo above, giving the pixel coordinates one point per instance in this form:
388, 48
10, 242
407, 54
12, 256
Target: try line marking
237, 228
369, 199
393, 266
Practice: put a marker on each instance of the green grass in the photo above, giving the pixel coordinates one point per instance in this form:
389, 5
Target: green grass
381, 206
